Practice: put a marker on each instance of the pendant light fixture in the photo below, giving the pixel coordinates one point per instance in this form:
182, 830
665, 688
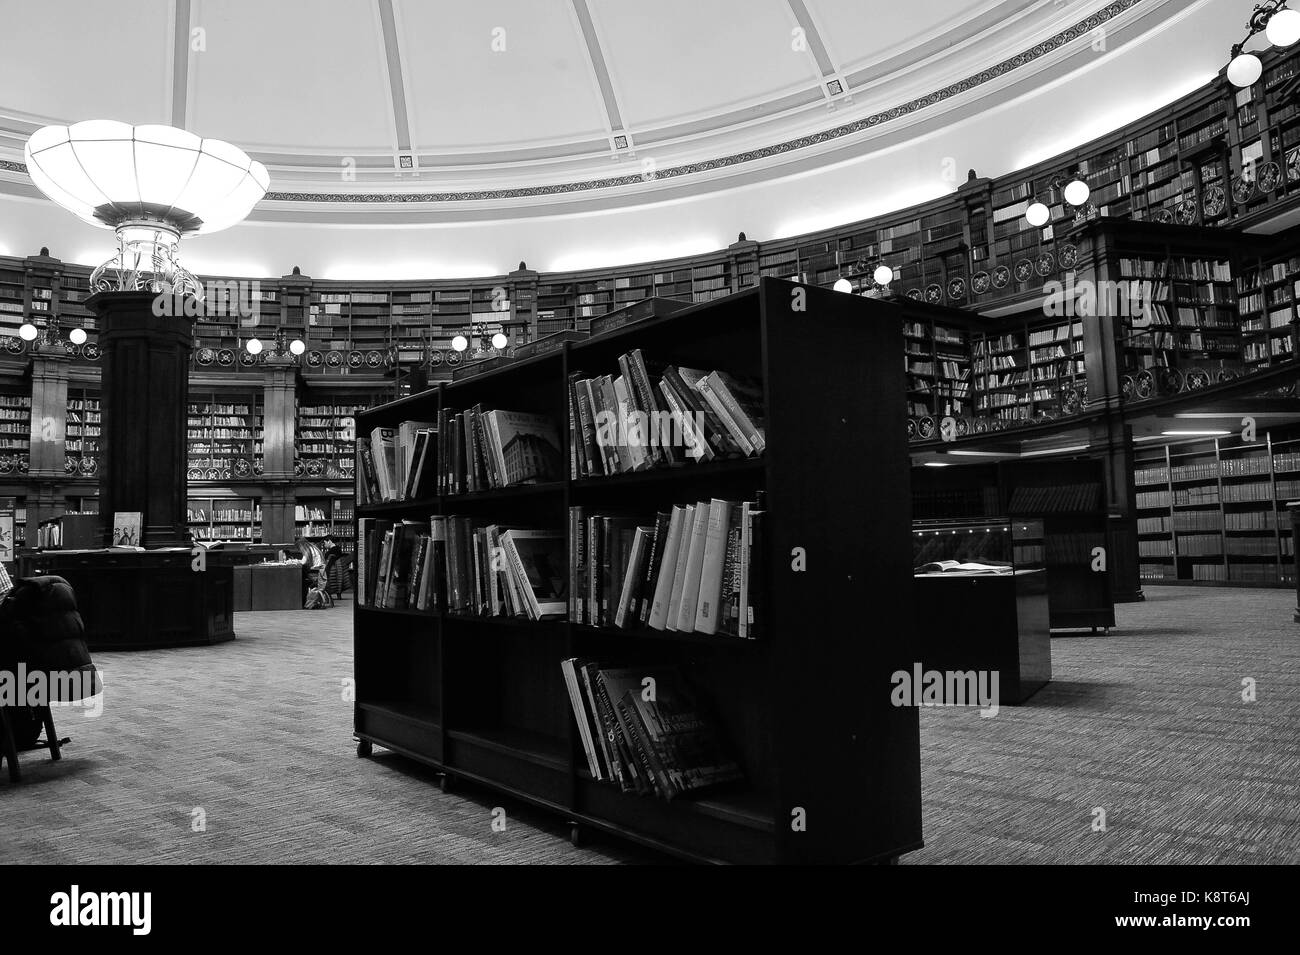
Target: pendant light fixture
883, 274
1037, 214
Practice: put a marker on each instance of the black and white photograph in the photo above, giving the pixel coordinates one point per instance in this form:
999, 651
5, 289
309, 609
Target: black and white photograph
604, 432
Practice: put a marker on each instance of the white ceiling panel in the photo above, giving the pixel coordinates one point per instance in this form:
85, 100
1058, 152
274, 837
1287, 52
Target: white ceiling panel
501, 72
84, 59
858, 34
673, 60
291, 77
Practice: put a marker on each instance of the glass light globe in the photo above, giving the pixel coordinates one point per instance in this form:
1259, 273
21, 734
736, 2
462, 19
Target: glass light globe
1077, 193
27, 332
1245, 70
883, 275
500, 341
78, 336
297, 346
1037, 214
843, 285
254, 347
1284, 28
460, 343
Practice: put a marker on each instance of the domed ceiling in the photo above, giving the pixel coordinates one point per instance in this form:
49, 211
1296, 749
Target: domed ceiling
398, 111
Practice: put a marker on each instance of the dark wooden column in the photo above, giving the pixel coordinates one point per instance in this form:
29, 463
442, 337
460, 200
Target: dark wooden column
145, 401
279, 414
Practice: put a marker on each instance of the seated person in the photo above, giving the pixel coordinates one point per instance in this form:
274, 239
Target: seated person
318, 596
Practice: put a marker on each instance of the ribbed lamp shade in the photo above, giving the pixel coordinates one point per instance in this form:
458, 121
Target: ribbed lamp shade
108, 173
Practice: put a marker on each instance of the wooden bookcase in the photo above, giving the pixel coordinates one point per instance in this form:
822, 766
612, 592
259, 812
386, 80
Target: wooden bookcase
225, 432
806, 710
1214, 510
325, 439
224, 518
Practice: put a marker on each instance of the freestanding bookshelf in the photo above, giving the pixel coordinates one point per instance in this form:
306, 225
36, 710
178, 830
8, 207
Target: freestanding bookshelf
832, 767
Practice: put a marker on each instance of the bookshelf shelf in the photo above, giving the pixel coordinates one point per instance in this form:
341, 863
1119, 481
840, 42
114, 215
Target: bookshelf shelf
546, 489
687, 474
484, 698
645, 633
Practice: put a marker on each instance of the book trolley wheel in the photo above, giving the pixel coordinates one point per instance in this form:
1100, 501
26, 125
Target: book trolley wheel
577, 836
364, 748
445, 782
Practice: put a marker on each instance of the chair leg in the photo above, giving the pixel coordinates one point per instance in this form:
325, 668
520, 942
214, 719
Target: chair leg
7, 748
47, 717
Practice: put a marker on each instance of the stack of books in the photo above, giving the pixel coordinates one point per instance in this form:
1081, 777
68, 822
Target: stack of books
643, 729
694, 569
651, 415
449, 565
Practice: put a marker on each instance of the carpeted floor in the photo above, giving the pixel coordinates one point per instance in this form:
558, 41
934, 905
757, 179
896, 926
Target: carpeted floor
1146, 724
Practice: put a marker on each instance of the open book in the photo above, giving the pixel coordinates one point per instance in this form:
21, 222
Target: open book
958, 567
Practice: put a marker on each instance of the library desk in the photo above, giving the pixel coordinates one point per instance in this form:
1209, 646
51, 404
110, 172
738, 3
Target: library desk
986, 622
141, 600
268, 587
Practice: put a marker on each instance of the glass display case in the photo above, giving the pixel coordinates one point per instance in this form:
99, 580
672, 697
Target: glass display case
991, 546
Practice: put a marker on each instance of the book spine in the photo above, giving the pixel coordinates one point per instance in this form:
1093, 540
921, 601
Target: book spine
608, 544
595, 536
603, 752
694, 568
623, 617
363, 532
471, 451
624, 770
723, 415
746, 535
569, 668
679, 571
516, 566
757, 578
454, 558
478, 597
637, 411
651, 578
615, 423
586, 419
639, 376
737, 411
417, 573
630, 722
577, 526
458, 454
631, 440
575, 445
715, 552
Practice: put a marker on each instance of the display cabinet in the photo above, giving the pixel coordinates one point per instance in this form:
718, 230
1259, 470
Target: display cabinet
987, 611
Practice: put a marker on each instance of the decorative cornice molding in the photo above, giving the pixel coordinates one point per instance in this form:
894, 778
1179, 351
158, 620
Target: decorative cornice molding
1081, 29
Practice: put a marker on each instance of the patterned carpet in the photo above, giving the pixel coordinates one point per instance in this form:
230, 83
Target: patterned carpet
1146, 723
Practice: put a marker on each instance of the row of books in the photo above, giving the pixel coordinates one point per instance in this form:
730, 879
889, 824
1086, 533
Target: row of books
1058, 333
448, 565
480, 450
488, 449
1198, 521
694, 570
644, 729
651, 415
